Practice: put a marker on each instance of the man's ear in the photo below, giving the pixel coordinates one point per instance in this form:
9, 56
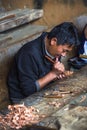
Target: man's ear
53, 41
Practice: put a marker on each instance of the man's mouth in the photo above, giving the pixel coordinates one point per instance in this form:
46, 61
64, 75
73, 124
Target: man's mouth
58, 56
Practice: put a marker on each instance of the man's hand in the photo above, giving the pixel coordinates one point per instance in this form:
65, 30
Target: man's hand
58, 69
59, 66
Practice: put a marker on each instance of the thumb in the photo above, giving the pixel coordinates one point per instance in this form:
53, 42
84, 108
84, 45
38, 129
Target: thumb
57, 59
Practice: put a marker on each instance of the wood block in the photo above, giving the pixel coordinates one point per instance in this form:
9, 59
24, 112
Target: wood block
19, 17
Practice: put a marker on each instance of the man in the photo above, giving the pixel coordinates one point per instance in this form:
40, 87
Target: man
31, 71
79, 61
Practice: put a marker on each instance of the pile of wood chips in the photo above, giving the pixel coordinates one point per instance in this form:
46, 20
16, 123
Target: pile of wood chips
20, 116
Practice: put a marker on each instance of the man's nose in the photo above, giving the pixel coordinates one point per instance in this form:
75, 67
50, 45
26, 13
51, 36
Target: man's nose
63, 54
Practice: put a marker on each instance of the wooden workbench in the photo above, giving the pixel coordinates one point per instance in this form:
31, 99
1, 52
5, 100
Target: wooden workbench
70, 109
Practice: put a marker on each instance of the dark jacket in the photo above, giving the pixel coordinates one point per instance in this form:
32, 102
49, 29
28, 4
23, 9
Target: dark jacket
29, 65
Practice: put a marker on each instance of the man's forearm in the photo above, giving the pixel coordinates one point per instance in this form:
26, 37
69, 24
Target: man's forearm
46, 79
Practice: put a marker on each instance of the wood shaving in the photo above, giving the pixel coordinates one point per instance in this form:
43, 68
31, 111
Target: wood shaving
55, 104
20, 116
68, 73
83, 98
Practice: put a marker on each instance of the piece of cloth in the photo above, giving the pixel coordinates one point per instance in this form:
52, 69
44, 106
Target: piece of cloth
29, 65
83, 46
85, 50
77, 62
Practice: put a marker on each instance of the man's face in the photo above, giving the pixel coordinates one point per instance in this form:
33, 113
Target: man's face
59, 50
62, 50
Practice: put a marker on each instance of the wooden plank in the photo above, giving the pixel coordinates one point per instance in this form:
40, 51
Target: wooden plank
19, 34
20, 17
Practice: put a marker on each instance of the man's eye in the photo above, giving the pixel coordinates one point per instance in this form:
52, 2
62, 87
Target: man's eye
65, 51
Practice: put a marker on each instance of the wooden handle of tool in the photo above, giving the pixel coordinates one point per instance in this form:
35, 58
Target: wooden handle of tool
49, 59
83, 56
67, 73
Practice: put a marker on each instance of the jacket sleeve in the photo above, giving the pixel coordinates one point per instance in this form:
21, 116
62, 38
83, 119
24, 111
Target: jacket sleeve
27, 73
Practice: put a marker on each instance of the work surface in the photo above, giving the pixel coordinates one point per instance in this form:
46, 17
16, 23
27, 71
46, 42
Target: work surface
70, 109
66, 109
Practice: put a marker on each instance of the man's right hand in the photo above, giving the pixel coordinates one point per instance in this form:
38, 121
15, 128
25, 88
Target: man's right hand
58, 69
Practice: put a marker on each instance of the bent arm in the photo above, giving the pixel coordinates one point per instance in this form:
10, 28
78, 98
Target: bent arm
28, 74
55, 73
46, 79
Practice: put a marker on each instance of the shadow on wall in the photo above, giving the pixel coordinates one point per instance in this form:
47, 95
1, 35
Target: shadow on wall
38, 4
85, 2
72, 2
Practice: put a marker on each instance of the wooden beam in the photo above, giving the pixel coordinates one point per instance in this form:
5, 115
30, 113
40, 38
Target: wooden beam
19, 17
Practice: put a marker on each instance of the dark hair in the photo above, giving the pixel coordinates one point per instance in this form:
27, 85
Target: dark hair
66, 33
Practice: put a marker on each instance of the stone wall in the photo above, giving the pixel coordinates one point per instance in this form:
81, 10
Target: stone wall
55, 11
